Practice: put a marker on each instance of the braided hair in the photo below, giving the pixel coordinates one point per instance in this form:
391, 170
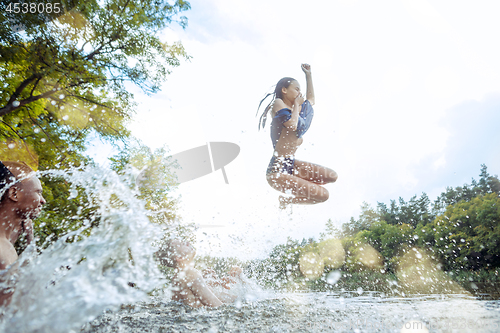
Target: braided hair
283, 83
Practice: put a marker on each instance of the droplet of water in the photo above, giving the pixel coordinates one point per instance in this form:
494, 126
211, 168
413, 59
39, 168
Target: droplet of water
333, 277
61, 96
15, 104
36, 130
53, 102
72, 194
11, 145
65, 117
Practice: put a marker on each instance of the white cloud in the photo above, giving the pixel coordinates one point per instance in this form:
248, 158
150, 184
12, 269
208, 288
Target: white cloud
443, 82
426, 15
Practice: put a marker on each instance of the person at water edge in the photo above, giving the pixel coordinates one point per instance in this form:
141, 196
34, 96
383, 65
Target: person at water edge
189, 285
21, 200
291, 118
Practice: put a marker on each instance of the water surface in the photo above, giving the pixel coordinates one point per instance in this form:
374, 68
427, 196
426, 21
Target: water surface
310, 312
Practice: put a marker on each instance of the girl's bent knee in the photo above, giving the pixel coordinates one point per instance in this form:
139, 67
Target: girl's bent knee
320, 196
324, 196
332, 176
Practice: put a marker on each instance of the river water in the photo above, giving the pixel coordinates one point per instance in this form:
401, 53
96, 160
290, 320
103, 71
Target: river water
310, 312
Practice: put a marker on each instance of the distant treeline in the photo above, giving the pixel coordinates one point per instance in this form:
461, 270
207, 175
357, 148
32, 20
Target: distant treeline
457, 236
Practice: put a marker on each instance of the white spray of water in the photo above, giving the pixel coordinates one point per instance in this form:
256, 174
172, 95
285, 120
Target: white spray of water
69, 284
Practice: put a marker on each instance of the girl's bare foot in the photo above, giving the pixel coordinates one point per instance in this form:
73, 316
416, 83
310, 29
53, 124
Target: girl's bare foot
284, 202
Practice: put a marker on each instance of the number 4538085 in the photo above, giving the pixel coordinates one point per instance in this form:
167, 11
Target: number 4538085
33, 8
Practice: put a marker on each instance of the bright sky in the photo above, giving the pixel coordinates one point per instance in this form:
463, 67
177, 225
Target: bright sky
407, 101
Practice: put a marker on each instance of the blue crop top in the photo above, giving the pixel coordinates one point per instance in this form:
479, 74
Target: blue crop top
282, 116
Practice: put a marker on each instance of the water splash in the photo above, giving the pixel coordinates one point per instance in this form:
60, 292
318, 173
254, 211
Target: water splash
69, 284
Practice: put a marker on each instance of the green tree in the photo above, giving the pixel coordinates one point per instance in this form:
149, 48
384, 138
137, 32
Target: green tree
366, 218
281, 268
67, 80
156, 184
424, 210
390, 215
72, 72
486, 184
467, 235
387, 239
330, 231
414, 212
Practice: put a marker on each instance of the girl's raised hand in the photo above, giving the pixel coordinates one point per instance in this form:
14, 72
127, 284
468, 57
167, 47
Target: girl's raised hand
306, 68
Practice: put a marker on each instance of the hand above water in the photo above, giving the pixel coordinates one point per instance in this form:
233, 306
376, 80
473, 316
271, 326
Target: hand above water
235, 271
306, 68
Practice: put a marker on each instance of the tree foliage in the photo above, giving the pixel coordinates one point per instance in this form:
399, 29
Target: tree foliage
467, 235
487, 184
72, 73
156, 184
66, 80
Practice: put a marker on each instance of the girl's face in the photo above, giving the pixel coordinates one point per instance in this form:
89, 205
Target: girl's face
292, 91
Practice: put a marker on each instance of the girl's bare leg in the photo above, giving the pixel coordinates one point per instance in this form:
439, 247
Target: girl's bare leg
304, 192
303, 184
314, 173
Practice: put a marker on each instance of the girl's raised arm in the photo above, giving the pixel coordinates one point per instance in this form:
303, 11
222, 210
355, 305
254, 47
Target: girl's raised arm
309, 88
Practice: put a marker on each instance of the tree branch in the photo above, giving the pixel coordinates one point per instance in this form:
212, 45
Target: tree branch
21, 87
47, 135
34, 86
91, 101
10, 107
22, 139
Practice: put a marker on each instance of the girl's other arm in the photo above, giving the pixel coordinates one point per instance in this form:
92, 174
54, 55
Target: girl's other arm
201, 291
291, 123
310, 89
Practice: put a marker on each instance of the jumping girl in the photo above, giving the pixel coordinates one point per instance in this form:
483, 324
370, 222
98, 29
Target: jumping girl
292, 117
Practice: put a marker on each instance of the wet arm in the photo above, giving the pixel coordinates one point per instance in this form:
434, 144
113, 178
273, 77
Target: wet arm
310, 88
224, 296
291, 123
202, 292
